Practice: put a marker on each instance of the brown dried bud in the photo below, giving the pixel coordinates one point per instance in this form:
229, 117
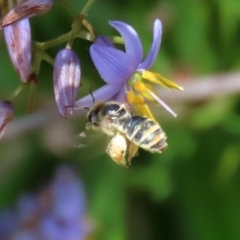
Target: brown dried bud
6, 115
18, 41
66, 76
26, 9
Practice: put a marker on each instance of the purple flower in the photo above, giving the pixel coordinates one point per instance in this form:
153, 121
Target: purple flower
66, 76
66, 218
26, 9
28, 207
68, 195
126, 73
54, 229
6, 115
18, 41
8, 222
56, 213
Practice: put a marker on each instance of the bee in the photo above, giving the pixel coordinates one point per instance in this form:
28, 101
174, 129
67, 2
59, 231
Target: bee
128, 132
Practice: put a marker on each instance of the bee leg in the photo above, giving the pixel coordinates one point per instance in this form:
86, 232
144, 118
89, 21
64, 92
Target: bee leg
132, 151
117, 149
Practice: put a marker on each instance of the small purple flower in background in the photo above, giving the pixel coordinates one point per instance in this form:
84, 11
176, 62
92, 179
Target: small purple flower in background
6, 115
56, 213
8, 223
68, 200
126, 73
26, 9
66, 76
68, 192
18, 40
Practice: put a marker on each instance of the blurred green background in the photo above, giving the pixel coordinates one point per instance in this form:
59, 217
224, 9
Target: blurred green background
192, 190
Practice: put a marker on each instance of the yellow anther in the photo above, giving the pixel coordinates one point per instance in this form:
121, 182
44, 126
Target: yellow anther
149, 86
158, 79
144, 110
139, 99
139, 86
131, 97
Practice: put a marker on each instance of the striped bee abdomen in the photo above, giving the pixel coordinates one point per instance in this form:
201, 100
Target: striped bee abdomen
145, 133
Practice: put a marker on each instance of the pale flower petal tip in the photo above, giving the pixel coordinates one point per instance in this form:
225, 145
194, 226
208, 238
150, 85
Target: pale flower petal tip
66, 76
132, 41
26, 9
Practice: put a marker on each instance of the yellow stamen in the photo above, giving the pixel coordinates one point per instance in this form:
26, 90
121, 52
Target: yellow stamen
144, 110
130, 97
138, 103
139, 99
139, 86
158, 79
149, 86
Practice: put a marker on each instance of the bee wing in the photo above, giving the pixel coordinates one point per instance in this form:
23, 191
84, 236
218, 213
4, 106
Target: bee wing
91, 144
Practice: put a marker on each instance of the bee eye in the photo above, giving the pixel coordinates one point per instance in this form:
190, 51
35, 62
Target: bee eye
91, 117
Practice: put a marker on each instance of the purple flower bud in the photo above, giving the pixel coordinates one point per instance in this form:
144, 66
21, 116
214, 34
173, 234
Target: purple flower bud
18, 40
66, 76
6, 115
26, 9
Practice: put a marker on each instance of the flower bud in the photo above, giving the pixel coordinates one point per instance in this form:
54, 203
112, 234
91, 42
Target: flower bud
18, 41
6, 115
26, 9
66, 76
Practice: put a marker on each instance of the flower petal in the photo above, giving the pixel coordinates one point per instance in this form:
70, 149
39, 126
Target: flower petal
157, 34
18, 41
113, 65
121, 96
104, 41
131, 39
104, 93
26, 9
66, 76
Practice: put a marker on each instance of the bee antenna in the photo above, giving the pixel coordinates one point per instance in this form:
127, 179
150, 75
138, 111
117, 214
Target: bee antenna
90, 90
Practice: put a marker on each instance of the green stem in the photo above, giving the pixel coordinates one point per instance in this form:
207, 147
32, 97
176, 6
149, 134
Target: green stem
37, 61
116, 39
87, 7
48, 59
31, 100
78, 23
75, 29
17, 91
56, 41
86, 35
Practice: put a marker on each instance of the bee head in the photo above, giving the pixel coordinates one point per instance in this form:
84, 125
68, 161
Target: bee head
93, 116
